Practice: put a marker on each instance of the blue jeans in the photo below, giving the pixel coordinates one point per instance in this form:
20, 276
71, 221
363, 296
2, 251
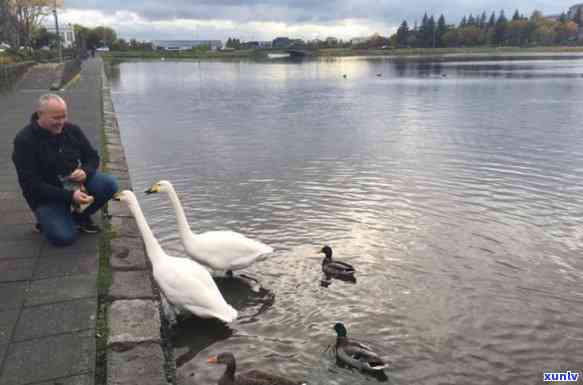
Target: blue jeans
56, 219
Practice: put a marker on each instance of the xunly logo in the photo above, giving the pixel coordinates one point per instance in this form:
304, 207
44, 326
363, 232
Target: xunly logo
561, 376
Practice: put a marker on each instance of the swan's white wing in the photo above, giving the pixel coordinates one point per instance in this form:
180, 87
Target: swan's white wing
187, 284
225, 250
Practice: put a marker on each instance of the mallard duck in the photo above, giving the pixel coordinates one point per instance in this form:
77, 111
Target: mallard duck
356, 354
185, 283
219, 250
252, 377
337, 269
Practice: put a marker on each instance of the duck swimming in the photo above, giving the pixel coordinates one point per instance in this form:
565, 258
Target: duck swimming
336, 269
184, 283
355, 354
219, 250
251, 377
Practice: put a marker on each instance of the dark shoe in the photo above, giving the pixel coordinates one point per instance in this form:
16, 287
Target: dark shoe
86, 225
37, 228
89, 227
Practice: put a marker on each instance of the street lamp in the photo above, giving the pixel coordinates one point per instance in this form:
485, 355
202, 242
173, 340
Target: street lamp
58, 34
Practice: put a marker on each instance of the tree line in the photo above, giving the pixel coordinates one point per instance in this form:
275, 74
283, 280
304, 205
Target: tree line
20, 26
493, 30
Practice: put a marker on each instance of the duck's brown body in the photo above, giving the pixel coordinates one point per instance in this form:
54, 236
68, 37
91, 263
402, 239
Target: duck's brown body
251, 377
356, 354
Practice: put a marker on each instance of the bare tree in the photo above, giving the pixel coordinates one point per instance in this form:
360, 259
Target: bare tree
7, 22
27, 15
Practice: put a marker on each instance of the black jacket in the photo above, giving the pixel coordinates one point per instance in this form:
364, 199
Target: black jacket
40, 158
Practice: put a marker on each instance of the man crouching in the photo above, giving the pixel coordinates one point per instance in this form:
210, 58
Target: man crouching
57, 172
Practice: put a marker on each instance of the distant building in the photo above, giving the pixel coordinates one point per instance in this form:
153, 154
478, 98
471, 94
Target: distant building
256, 44
331, 41
185, 45
281, 42
298, 42
359, 40
573, 10
65, 30
250, 45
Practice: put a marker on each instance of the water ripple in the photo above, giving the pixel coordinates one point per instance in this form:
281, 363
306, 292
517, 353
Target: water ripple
458, 199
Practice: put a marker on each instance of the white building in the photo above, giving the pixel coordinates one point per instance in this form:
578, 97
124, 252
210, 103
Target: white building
65, 30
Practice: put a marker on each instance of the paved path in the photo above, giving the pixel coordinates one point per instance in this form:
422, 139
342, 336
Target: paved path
48, 296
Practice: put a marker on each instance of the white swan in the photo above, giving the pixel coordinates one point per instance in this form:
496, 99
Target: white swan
220, 250
185, 283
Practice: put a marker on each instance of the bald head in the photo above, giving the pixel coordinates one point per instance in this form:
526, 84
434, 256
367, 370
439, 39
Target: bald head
47, 100
52, 113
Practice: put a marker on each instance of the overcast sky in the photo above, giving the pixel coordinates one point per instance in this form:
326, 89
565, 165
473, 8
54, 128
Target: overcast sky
267, 19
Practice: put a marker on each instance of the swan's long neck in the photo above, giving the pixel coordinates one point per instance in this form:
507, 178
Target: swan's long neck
181, 221
153, 248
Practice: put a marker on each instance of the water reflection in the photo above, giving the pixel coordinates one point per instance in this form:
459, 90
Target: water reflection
460, 195
188, 340
248, 297
113, 74
326, 280
443, 67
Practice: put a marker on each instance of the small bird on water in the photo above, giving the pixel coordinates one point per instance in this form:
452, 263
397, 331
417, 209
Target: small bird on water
335, 268
356, 354
251, 377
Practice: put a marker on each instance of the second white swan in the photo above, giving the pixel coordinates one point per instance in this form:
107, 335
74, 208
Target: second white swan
220, 250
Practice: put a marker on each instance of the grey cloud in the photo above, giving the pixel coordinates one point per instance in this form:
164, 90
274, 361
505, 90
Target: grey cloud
390, 12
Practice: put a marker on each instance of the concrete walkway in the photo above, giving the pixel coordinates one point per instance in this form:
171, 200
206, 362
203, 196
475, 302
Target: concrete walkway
48, 295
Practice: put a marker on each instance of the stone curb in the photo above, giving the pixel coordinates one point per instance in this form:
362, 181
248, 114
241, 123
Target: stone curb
135, 354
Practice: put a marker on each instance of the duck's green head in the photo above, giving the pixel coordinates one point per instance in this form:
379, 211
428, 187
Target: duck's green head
340, 329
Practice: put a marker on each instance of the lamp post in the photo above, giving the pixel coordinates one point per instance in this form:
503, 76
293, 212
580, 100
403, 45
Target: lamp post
58, 34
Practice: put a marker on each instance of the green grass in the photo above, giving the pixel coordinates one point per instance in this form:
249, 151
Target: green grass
5, 58
194, 54
116, 56
104, 279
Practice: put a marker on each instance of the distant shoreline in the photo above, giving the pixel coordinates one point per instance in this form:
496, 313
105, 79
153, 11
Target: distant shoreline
475, 53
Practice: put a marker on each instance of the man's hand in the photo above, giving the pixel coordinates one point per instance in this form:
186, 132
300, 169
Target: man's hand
82, 198
78, 176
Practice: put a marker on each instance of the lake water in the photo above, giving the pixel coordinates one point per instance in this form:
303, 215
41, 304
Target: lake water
455, 188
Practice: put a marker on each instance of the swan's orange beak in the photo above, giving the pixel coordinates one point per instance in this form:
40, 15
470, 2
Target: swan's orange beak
212, 360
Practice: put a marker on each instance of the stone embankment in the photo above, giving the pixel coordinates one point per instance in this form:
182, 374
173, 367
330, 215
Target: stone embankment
135, 353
